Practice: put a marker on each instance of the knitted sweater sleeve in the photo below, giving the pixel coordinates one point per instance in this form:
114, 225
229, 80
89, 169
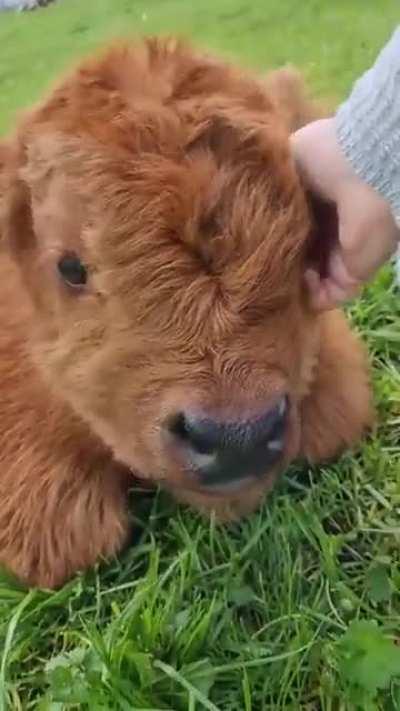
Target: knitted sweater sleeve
368, 125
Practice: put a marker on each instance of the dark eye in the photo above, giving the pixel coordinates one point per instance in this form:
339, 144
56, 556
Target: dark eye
72, 270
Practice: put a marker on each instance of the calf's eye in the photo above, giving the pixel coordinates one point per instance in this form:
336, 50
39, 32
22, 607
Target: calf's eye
72, 271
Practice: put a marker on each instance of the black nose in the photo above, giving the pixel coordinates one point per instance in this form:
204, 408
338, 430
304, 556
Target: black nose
226, 452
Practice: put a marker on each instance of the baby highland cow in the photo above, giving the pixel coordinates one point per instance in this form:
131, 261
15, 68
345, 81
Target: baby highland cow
153, 314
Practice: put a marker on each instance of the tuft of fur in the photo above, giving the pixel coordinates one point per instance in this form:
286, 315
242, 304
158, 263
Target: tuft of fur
169, 173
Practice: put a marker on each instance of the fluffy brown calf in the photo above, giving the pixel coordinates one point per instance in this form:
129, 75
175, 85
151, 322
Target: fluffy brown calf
153, 317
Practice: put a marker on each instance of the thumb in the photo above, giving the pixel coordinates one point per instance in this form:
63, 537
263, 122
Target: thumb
334, 289
341, 276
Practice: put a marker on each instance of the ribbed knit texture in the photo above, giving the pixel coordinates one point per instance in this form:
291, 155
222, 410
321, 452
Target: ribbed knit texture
397, 265
368, 125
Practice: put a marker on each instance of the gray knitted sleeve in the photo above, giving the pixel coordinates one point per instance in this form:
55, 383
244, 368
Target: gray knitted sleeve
368, 125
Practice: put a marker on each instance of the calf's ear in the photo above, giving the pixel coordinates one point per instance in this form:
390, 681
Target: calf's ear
16, 233
324, 235
4, 154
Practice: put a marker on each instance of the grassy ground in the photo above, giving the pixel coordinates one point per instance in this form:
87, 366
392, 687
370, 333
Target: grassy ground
295, 608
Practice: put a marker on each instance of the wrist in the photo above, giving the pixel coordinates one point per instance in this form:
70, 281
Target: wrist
368, 126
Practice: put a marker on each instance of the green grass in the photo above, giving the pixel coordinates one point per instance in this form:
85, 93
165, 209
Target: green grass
261, 615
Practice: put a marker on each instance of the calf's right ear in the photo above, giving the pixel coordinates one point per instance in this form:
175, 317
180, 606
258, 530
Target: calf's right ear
4, 151
16, 232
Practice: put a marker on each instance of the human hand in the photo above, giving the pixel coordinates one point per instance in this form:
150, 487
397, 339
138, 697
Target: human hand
367, 232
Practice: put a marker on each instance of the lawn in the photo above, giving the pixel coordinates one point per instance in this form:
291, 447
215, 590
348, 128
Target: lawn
298, 606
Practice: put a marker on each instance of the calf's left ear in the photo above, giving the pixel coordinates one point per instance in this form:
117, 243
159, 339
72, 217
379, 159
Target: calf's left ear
323, 236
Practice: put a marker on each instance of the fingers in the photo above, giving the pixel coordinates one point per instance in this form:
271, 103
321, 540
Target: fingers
318, 158
338, 287
367, 232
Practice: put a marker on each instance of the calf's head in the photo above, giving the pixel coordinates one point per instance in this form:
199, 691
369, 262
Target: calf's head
160, 230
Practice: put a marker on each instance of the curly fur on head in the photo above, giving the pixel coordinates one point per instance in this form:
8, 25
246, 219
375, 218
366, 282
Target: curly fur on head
168, 174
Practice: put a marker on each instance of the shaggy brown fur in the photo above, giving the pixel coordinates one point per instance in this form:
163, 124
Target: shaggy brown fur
169, 173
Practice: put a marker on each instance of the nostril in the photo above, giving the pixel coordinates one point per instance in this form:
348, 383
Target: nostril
276, 421
198, 434
177, 426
